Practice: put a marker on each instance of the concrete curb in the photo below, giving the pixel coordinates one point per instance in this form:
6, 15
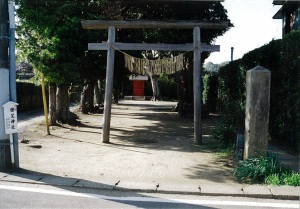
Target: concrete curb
216, 189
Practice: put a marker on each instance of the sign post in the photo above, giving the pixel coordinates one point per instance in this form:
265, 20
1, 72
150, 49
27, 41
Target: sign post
10, 124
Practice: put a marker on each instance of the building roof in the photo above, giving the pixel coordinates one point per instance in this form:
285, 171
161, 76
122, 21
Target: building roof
173, 0
286, 5
279, 2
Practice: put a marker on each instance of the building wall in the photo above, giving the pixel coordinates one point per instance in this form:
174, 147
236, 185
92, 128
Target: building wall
291, 20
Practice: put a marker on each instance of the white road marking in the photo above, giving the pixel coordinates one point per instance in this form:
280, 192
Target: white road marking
151, 199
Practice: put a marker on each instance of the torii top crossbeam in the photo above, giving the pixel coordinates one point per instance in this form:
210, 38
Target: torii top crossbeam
140, 24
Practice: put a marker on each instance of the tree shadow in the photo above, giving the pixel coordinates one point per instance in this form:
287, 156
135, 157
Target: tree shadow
216, 174
163, 127
160, 131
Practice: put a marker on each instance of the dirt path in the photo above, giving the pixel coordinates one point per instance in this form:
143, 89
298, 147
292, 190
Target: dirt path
149, 143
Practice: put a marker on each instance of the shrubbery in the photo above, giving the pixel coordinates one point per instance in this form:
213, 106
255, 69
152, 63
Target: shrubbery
266, 170
168, 87
282, 58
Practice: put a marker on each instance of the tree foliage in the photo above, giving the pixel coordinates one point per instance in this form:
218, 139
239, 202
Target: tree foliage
210, 11
52, 40
177, 10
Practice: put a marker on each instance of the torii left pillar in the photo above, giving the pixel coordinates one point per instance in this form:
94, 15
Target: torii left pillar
108, 85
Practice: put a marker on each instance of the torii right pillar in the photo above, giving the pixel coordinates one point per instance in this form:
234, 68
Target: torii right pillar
258, 81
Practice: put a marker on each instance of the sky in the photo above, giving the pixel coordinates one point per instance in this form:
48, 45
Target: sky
254, 26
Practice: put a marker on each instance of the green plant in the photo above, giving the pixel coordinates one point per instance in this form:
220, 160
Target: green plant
273, 179
223, 152
168, 88
210, 91
291, 178
224, 134
265, 170
288, 177
255, 170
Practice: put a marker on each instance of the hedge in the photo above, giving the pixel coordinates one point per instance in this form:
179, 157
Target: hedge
282, 58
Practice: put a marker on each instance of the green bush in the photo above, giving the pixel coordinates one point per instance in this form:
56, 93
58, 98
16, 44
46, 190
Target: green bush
231, 103
210, 91
233, 118
273, 179
282, 58
168, 87
265, 170
289, 178
224, 134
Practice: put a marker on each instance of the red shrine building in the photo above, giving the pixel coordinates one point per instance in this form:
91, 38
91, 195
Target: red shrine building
138, 90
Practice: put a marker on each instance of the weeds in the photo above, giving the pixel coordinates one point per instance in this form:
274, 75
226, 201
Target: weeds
265, 170
290, 178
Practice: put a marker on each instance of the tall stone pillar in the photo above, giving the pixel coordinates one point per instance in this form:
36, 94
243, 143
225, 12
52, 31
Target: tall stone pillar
258, 81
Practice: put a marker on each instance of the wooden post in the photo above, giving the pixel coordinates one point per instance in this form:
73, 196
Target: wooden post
197, 87
108, 85
45, 103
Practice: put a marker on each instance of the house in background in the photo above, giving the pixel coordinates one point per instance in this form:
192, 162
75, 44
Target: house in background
289, 13
24, 71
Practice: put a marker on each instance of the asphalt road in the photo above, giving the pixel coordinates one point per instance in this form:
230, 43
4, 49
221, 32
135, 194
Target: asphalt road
31, 196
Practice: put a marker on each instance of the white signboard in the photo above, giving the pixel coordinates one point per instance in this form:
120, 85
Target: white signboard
10, 117
138, 77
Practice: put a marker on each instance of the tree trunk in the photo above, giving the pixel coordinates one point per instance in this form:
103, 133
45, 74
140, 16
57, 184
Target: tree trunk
87, 97
98, 94
62, 104
52, 104
116, 92
184, 86
155, 87
179, 93
189, 82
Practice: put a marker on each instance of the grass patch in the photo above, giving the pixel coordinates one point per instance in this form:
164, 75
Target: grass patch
266, 170
224, 152
286, 178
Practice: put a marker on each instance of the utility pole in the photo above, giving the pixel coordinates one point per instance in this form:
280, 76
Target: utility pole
4, 83
12, 72
3, 34
232, 53
8, 157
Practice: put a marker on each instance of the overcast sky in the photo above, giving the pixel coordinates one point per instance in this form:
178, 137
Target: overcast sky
253, 27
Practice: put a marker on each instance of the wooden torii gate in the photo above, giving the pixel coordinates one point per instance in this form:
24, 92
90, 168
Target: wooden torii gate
111, 45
